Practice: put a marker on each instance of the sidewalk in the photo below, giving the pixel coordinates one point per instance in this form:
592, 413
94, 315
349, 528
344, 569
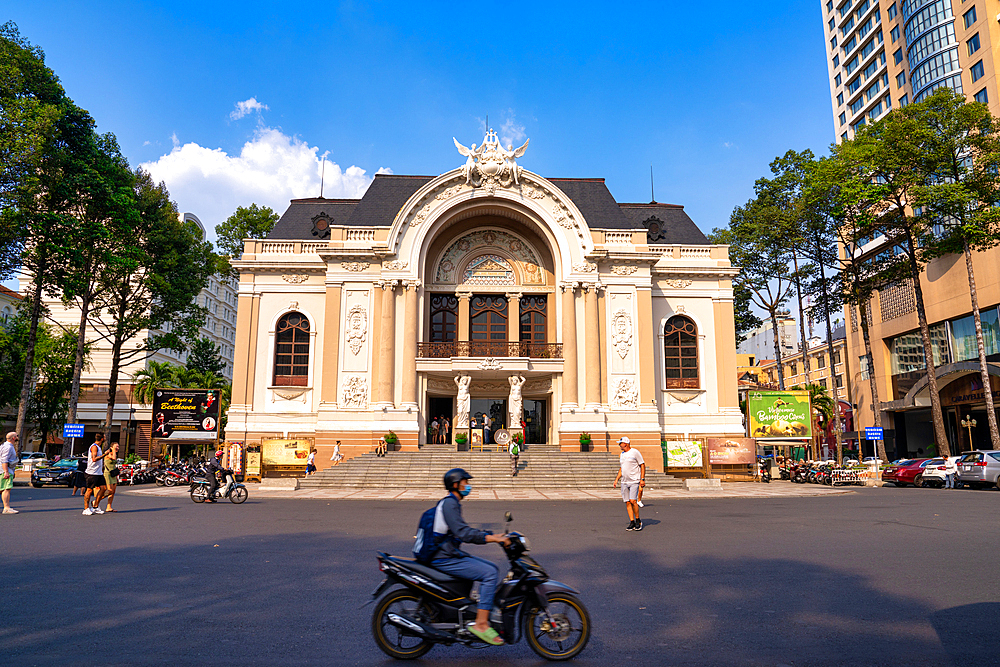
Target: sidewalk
779, 489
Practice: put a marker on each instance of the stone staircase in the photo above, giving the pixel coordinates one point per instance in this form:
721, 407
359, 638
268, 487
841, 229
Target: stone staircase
539, 467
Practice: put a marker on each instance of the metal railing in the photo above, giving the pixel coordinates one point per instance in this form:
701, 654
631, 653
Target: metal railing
489, 348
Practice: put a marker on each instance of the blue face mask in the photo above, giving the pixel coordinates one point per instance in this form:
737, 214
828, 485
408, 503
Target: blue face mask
466, 491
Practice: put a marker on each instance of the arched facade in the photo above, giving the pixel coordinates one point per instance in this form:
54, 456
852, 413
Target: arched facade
426, 280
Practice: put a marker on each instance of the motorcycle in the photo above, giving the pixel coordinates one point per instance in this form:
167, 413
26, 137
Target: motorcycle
764, 469
434, 608
235, 491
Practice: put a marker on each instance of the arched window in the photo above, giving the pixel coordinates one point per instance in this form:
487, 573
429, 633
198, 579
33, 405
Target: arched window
680, 353
533, 318
291, 351
444, 318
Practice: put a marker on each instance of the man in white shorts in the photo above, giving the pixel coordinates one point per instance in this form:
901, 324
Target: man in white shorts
632, 474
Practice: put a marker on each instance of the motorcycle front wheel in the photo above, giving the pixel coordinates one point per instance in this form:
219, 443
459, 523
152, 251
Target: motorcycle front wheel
393, 641
199, 493
238, 495
566, 636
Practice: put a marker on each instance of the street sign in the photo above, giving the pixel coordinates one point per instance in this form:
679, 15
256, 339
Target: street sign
72, 431
873, 433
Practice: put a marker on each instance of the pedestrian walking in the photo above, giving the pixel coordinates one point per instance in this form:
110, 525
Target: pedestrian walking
950, 471
337, 456
632, 473
445, 430
95, 477
435, 427
8, 461
486, 429
80, 477
311, 462
514, 450
111, 475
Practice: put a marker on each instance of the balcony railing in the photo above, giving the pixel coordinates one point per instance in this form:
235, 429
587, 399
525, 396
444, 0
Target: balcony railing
489, 348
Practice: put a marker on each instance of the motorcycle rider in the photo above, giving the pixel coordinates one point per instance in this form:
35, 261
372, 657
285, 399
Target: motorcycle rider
450, 559
214, 466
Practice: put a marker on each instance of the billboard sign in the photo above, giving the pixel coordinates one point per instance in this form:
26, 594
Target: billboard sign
725, 451
780, 415
683, 454
72, 430
187, 414
285, 452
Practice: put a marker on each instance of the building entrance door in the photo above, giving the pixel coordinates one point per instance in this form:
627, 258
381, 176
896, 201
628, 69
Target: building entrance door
438, 406
536, 423
495, 409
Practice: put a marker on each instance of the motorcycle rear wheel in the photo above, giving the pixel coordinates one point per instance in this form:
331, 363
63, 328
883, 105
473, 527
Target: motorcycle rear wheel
169, 481
570, 636
392, 640
199, 493
238, 495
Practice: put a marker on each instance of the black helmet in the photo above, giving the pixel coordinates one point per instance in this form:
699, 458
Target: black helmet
454, 476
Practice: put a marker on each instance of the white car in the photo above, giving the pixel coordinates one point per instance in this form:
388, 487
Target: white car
933, 473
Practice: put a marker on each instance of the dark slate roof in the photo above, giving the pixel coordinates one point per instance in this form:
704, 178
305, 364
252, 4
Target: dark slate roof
388, 192
674, 224
296, 222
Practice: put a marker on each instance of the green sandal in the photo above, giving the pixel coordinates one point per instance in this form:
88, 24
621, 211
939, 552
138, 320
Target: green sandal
490, 636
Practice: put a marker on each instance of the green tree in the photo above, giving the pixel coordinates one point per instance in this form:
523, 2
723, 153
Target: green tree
891, 152
252, 222
959, 193
157, 374
205, 356
49, 404
161, 268
746, 320
759, 247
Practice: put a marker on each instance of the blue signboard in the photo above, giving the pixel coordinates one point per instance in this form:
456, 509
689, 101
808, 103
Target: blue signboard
873, 433
72, 430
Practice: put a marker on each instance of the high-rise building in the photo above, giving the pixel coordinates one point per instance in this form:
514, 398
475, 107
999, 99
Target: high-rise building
885, 54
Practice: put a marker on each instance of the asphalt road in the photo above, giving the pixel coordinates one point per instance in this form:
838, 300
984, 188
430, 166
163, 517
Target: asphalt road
879, 577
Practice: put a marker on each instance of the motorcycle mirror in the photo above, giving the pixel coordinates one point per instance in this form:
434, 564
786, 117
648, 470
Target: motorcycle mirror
508, 517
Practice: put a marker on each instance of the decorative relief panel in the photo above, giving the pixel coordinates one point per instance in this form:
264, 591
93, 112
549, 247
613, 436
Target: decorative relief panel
489, 364
621, 332
485, 239
538, 387
357, 328
295, 278
626, 395
488, 270
356, 267
677, 284
585, 267
394, 265
624, 270
355, 392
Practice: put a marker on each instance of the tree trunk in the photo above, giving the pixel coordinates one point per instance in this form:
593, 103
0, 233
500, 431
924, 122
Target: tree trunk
837, 427
804, 346
81, 346
991, 414
870, 360
28, 380
940, 437
116, 357
777, 350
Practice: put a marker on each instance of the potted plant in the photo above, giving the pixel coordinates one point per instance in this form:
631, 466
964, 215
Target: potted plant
460, 440
519, 438
585, 442
391, 438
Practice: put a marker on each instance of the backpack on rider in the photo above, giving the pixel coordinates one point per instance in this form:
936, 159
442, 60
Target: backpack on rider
426, 542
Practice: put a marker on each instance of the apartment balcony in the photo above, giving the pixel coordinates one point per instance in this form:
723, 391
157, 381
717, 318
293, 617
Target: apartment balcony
489, 349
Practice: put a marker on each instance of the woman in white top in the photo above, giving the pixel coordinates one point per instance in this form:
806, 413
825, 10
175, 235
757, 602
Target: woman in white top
311, 463
337, 456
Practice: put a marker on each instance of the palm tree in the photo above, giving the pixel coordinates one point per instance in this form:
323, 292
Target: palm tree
821, 402
158, 374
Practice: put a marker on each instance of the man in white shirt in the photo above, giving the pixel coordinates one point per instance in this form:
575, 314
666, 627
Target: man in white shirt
8, 461
632, 473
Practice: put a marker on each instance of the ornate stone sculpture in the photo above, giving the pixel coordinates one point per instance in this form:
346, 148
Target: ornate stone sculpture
677, 284
355, 392
514, 401
357, 328
585, 267
294, 278
394, 265
621, 332
356, 267
464, 401
490, 165
626, 394
624, 270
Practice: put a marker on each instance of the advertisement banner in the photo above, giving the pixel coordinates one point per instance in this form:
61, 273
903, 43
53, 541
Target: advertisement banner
683, 454
725, 451
280, 452
187, 414
780, 415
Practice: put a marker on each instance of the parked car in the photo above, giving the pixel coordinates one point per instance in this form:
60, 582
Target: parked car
60, 472
933, 472
980, 468
904, 471
34, 459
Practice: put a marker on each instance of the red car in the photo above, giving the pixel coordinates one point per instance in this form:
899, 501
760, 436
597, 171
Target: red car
905, 471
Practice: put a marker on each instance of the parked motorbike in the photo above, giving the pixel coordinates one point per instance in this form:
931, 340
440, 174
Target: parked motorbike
764, 469
235, 491
434, 608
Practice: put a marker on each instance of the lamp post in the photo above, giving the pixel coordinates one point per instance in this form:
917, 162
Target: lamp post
969, 423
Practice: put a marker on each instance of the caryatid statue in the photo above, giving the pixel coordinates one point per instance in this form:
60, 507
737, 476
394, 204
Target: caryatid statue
464, 401
514, 401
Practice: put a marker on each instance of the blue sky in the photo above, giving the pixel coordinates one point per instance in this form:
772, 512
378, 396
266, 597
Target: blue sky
708, 94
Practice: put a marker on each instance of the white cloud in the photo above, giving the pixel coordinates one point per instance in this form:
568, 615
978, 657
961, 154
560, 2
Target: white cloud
271, 169
246, 106
512, 132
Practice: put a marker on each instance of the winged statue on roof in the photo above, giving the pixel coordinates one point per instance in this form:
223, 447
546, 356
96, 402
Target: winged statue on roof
491, 165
